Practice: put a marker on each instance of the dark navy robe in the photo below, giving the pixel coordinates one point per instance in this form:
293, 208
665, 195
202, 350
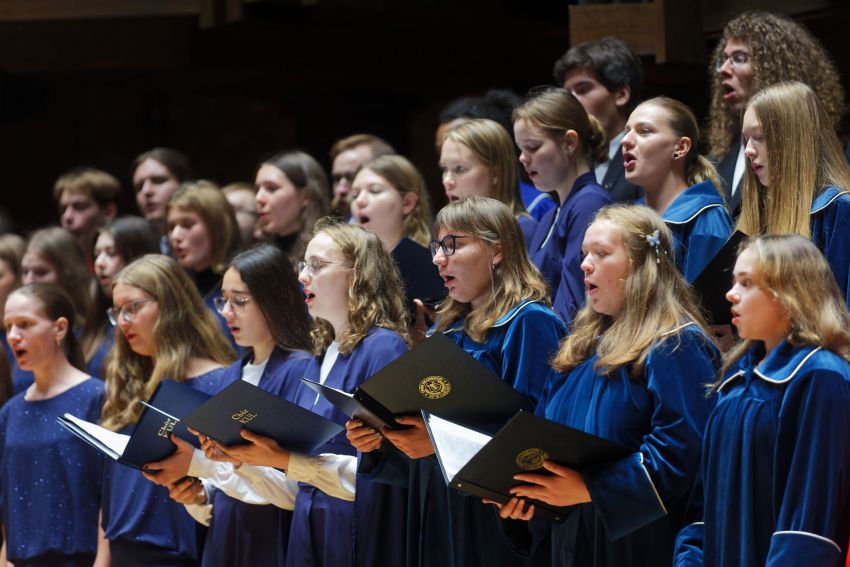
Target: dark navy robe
246, 535
165, 530
830, 216
638, 503
95, 366
448, 528
555, 247
50, 481
420, 276
775, 465
331, 532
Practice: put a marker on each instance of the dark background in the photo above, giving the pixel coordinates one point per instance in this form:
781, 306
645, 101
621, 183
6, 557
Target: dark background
78, 89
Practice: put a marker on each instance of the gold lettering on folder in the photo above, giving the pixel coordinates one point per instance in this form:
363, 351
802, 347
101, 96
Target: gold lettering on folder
531, 459
435, 387
243, 416
167, 427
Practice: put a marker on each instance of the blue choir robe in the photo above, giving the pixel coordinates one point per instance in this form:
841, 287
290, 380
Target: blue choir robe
420, 276
50, 481
165, 529
247, 535
639, 502
830, 215
451, 529
95, 365
536, 202
331, 532
528, 226
774, 490
555, 246
700, 224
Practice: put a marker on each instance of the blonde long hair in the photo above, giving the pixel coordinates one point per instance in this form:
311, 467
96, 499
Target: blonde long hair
375, 292
403, 176
185, 328
658, 301
804, 157
513, 280
795, 272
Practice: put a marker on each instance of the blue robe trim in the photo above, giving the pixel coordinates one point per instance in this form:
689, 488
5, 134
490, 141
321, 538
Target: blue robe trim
830, 215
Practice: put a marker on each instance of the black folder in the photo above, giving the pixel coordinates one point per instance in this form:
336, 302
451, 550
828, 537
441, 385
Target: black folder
149, 441
715, 280
484, 466
437, 376
245, 406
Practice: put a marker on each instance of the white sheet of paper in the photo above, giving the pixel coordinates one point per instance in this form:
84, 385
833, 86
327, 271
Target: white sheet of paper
115, 441
455, 444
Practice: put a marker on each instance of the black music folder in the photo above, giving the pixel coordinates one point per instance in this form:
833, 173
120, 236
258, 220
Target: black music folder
715, 280
243, 405
149, 442
484, 466
437, 376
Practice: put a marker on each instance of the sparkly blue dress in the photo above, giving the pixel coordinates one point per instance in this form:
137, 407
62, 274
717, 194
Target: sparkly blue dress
144, 526
50, 481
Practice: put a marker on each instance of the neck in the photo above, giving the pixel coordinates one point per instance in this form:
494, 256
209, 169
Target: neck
660, 196
339, 327
391, 238
53, 373
263, 351
576, 169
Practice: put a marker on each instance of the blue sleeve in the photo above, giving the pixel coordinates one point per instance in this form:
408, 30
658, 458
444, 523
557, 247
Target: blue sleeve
688, 550
530, 343
709, 233
631, 493
379, 350
4, 420
829, 234
814, 449
569, 297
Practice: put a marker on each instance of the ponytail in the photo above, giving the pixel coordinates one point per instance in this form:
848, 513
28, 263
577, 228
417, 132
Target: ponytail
597, 142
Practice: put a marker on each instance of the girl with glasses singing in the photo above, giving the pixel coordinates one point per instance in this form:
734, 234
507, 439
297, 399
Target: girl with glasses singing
353, 292
165, 333
498, 312
265, 312
558, 141
51, 483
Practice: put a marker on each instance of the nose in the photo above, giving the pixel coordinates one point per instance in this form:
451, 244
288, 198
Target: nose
261, 197
524, 158
29, 278
749, 150
304, 275
361, 200
586, 265
439, 258
13, 335
448, 180
628, 140
732, 296
177, 233
67, 216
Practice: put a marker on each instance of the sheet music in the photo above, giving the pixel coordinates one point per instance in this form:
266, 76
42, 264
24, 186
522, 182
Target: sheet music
116, 442
455, 444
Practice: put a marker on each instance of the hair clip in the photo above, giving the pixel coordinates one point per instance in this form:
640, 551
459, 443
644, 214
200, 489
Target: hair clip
654, 240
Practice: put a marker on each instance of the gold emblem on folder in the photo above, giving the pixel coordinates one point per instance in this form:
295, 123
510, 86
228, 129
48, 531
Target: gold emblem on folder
531, 459
435, 387
243, 416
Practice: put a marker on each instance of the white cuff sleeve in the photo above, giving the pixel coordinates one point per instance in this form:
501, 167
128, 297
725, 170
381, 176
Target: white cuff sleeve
335, 475
202, 513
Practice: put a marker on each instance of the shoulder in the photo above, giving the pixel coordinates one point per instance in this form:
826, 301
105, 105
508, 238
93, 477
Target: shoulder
534, 321
696, 202
832, 199
381, 340
687, 339
408, 249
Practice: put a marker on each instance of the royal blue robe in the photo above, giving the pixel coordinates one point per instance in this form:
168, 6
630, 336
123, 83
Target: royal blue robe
418, 273
830, 216
247, 535
555, 247
95, 364
331, 532
775, 465
638, 503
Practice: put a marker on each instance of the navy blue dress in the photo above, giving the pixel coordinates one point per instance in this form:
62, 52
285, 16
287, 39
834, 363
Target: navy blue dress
451, 529
555, 247
50, 481
249, 535
638, 503
330, 532
830, 216
420, 276
536, 202
165, 534
775, 462
700, 224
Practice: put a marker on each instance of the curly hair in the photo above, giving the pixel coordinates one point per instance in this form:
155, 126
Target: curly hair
802, 58
375, 292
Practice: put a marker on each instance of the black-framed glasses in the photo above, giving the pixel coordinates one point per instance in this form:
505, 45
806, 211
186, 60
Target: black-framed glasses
127, 311
237, 303
314, 265
448, 244
737, 58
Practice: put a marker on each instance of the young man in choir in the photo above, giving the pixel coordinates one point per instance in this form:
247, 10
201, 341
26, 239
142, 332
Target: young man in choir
605, 75
347, 154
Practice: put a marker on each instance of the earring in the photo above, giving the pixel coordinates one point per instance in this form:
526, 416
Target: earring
677, 155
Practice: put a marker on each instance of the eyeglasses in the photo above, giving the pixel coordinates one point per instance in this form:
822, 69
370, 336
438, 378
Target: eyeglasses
736, 59
314, 265
237, 304
127, 311
448, 244
338, 178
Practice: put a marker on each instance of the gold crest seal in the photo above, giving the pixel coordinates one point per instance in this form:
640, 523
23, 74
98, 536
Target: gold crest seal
531, 459
435, 387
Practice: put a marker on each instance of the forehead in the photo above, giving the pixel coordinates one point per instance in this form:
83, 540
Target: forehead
104, 238
650, 113
580, 75
525, 130
323, 247
454, 150
232, 281
751, 119
736, 44
603, 233
269, 172
369, 177
746, 262
149, 168
123, 293
350, 159
22, 304
181, 213
243, 197
34, 259
69, 196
